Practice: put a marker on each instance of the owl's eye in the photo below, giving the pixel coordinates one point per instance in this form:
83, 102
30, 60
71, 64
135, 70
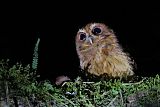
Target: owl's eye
96, 31
82, 36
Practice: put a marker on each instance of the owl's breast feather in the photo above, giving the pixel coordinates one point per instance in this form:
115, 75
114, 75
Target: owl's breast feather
114, 65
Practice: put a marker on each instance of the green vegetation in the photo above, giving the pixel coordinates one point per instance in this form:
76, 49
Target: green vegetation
19, 85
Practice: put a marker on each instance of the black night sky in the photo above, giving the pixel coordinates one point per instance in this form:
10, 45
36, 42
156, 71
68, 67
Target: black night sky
138, 32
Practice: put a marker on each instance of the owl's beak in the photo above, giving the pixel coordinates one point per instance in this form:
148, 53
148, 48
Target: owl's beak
90, 40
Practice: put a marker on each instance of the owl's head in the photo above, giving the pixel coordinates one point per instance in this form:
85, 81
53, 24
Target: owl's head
94, 35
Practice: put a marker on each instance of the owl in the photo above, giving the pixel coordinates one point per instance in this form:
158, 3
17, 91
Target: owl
100, 52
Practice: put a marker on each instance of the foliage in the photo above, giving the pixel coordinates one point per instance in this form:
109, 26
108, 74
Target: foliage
22, 84
35, 55
17, 77
109, 93
18, 84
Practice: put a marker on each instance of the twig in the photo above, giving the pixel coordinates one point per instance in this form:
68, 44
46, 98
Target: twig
64, 84
7, 93
121, 97
63, 97
134, 83
68, 100
28, 102
88, 82
112, 101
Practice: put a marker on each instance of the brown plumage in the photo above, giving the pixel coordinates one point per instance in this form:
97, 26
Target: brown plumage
100, 53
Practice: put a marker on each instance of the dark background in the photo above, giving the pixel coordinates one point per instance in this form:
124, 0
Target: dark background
138, 31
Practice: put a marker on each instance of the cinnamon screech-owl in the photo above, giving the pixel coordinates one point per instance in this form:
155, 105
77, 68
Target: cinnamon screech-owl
100, 53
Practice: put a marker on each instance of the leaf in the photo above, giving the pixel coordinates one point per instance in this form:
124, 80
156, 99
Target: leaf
35, 55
